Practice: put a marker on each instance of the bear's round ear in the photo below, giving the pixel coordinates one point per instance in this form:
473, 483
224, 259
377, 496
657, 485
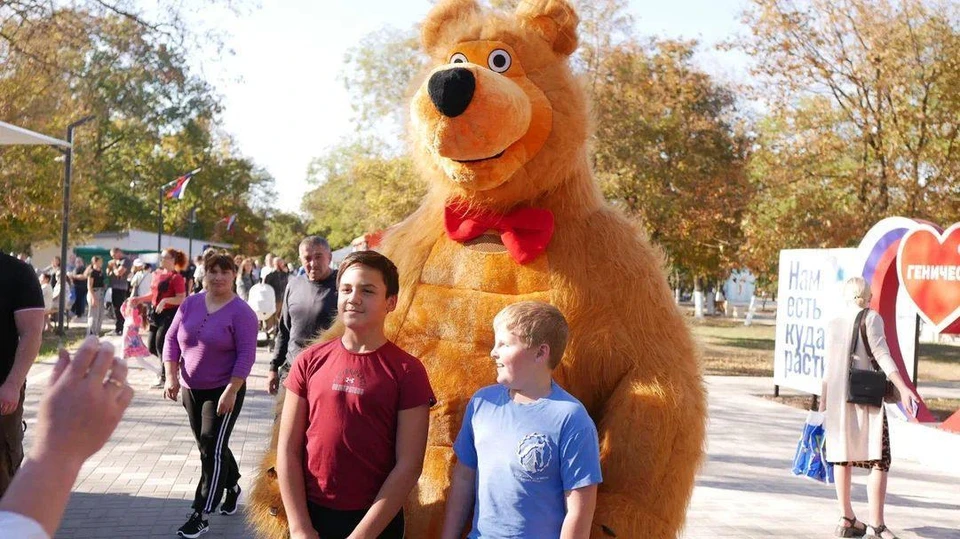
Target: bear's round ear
554, 20
443, 18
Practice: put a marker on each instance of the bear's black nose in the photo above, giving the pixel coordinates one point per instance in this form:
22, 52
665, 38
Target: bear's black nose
451, 90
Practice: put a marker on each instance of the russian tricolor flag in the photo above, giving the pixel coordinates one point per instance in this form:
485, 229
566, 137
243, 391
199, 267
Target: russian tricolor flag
179, 188
232, 220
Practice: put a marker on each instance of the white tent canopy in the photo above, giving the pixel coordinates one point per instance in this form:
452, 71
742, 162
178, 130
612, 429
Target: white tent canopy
11, 134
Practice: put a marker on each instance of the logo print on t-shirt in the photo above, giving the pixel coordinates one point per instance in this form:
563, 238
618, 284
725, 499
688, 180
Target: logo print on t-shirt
349, 381
535, 455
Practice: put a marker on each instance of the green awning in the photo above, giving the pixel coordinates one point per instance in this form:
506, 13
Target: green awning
88, 251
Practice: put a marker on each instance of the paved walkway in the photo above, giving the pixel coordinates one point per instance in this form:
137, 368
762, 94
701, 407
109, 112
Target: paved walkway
141, 483
746, 490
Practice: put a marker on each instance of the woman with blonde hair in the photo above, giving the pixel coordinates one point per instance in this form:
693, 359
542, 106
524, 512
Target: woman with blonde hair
245, 279
857, 434
96, 289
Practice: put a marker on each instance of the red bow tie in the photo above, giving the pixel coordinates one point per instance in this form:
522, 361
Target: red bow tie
525, 232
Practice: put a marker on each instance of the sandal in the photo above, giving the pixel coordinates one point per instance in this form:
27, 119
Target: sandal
851, 529
876, 532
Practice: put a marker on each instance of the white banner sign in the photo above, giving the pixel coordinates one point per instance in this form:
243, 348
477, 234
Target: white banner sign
809, 295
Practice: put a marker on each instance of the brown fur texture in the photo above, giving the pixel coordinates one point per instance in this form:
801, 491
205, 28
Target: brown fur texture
630, 358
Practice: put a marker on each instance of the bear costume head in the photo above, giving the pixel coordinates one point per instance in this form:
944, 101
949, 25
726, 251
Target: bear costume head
499, 129
501, 85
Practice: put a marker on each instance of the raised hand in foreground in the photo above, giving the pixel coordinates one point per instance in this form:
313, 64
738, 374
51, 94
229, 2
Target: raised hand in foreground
88, 395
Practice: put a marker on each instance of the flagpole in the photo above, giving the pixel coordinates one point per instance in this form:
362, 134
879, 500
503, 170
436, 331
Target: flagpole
193, 221
159, 224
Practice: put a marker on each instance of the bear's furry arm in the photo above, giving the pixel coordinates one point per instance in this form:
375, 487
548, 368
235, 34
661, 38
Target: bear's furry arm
635, 368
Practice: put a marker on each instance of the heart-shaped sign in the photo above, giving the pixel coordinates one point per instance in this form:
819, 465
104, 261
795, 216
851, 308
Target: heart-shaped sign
928, 265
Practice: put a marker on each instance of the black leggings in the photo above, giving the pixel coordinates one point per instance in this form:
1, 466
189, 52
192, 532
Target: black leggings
218, 468
80, 303
117, 297
333, 524
158, 333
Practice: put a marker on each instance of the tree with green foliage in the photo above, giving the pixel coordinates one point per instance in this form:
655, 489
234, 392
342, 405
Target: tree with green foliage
863, 120
670, 153
154, 121
359, 190
284, 232
379, 73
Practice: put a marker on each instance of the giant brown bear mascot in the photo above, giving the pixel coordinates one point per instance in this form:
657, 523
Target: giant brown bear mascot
499, 128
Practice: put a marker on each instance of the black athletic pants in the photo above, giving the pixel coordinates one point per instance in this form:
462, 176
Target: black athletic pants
117, 297
158, 333
333, 524
218, 468
80, 301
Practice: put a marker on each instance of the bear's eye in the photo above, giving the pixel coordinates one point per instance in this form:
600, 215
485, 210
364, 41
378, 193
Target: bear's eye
499, 60
458, 58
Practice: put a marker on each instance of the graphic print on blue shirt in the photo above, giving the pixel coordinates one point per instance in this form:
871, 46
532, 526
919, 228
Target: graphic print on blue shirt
535, 454
526, 456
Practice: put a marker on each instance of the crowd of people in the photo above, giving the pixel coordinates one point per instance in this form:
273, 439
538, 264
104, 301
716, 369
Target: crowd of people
206, 335
358, 390
96, 291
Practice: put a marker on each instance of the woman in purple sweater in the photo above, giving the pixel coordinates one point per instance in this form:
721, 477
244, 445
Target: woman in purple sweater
209, 350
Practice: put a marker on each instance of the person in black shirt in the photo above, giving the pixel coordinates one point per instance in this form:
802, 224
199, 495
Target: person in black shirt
309, 306
118, 270
80, 287
95, 292
21, 328
277, 280
188, 275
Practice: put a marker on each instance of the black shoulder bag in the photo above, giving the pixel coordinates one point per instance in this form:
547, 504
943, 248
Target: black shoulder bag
152, 313
864, 386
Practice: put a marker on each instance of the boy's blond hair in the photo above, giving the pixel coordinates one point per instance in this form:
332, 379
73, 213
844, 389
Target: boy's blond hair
536, 323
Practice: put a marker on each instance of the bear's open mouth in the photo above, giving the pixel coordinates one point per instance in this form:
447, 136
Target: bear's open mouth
479, 160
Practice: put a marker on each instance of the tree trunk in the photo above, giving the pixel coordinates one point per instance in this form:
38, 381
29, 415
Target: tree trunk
711, 302
751, 310
676, 290
697, 297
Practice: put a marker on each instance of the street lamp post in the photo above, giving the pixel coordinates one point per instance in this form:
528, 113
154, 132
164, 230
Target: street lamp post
193, 222
65, 224
159, 222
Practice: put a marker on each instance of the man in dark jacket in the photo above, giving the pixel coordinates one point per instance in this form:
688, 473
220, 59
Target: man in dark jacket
308, 306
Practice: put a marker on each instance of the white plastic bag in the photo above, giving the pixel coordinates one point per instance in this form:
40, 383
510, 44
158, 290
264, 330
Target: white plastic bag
263, 300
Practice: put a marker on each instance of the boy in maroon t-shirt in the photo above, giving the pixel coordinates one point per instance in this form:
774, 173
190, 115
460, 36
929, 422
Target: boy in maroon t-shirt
353, 429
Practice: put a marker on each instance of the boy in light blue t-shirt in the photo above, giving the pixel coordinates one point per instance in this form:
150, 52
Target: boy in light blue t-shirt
528, 455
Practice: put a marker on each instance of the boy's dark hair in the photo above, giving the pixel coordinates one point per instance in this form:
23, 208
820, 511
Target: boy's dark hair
536, 323
373, 260
221, 260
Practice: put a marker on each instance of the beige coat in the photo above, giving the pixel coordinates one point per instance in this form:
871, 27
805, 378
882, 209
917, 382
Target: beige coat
854, 432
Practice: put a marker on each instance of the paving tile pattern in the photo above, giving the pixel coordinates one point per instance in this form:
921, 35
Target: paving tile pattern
141, 483
746, 490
